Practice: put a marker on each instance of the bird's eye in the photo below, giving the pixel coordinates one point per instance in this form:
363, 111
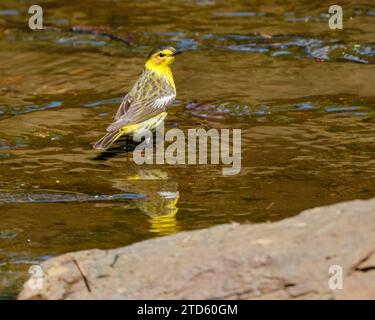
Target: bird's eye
161, 54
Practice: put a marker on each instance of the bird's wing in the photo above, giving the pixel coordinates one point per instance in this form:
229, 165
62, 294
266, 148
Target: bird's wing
124, 106
146, 100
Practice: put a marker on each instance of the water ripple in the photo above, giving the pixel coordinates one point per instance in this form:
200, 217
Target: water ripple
15, 110
61, 196
224, 109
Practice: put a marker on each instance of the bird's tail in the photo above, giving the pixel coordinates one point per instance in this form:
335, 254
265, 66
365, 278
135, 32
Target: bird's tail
108, 139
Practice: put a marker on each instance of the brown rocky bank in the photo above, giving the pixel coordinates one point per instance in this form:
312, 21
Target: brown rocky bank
289, 259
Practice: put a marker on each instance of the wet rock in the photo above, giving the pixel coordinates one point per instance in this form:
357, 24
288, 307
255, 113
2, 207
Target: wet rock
289, 259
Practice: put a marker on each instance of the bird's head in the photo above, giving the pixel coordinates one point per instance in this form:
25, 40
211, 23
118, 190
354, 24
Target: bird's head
161, 57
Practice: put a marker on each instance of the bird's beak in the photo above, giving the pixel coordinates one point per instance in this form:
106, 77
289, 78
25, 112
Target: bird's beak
176, 53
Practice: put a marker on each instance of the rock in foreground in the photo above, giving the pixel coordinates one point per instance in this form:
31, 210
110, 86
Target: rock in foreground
289, 259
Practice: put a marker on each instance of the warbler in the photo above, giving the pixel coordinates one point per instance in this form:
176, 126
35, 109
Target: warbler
146, 105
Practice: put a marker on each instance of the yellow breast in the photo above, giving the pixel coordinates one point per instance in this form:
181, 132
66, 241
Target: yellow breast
162, 70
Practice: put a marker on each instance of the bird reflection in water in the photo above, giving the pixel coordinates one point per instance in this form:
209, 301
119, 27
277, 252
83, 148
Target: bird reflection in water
160, 198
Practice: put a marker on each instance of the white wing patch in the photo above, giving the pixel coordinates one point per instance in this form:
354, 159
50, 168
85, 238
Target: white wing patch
164, 101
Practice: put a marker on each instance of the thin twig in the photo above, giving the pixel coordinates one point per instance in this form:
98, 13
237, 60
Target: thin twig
82, 275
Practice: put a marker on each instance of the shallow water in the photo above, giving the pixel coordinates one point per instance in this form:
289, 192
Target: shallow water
302, 94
